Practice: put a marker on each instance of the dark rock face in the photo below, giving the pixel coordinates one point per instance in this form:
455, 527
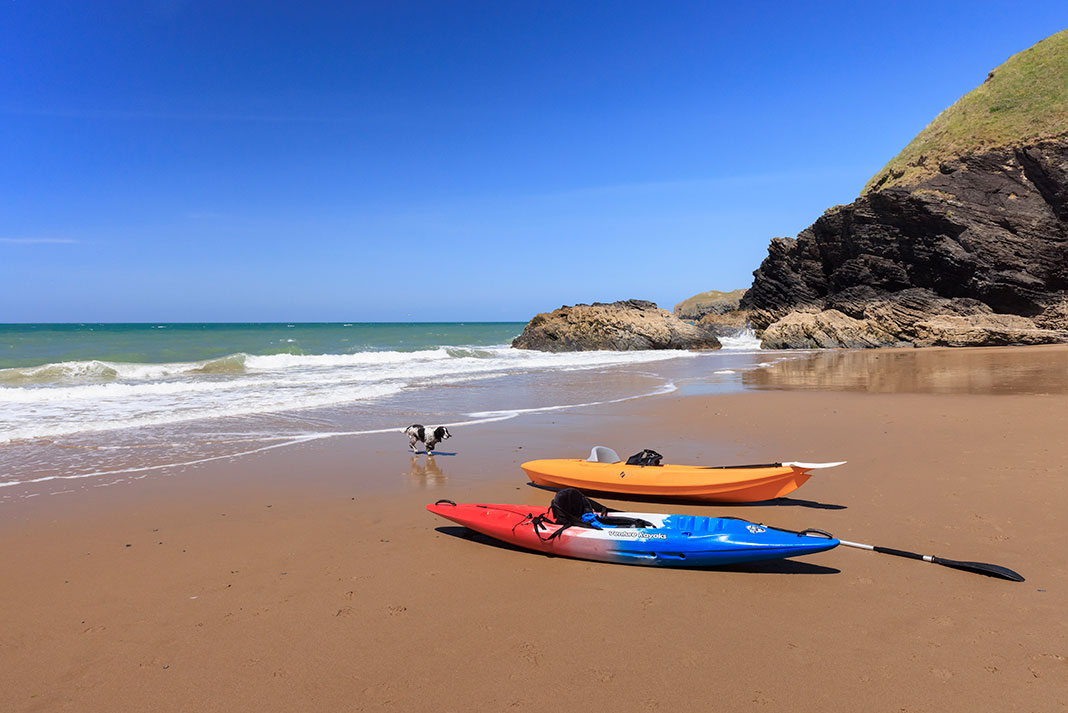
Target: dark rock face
620, 326
985, 238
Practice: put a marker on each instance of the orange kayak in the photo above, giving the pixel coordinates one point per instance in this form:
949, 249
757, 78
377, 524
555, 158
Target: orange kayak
725, 484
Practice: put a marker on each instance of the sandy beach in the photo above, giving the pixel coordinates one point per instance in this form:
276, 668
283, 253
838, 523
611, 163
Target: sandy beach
311, 578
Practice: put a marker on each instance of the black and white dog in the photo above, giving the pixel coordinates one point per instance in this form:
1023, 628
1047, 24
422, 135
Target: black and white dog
430, 436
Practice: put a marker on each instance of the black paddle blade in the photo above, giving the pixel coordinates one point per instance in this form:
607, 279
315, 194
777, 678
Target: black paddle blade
990, 570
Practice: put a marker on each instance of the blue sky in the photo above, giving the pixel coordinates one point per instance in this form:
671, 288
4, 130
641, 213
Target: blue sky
165, 160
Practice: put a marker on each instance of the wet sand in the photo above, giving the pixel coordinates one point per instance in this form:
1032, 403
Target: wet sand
311, 578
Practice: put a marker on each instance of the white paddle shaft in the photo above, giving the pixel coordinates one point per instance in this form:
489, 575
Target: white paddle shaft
862, 546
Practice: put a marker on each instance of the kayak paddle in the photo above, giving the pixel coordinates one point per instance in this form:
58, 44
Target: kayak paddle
990, 570
803, 466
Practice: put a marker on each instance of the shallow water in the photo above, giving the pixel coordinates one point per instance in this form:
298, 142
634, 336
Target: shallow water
980, 371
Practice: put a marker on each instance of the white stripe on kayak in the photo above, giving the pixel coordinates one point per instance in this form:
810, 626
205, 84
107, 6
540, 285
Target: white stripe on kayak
813, 466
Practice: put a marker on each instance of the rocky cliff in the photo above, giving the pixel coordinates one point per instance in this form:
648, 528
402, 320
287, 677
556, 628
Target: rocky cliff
621, 326
962, 239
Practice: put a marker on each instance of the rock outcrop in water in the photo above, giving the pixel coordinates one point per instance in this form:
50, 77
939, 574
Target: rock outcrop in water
728, 324
715, 311
621, 326
961, 240
711, 302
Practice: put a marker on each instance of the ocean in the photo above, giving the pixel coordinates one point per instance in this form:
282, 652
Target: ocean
106, 401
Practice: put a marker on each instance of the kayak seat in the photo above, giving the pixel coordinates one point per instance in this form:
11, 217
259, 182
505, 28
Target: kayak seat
603, 454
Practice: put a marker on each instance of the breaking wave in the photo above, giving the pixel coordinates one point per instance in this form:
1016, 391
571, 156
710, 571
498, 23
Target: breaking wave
64, 398
98, 371
744, 340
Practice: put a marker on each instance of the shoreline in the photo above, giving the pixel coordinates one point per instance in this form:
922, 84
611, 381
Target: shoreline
112, 448
311, 577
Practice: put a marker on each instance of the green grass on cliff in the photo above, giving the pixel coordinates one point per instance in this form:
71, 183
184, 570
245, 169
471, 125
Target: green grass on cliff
1024, 99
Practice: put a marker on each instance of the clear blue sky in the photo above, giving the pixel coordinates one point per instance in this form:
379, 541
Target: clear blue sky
163, 160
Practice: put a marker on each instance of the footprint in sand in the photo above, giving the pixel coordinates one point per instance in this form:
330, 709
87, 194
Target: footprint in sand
529, 653
602, 675
397, 610
942, 674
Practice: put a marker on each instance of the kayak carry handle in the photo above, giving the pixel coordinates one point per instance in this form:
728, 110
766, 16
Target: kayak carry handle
443, 500
813, 530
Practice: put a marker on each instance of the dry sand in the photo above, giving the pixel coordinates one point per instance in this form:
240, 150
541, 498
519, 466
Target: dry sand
312, 579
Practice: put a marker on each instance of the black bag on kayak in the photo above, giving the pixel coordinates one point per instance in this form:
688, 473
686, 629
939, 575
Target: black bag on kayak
570, 508
569, 505
646, 457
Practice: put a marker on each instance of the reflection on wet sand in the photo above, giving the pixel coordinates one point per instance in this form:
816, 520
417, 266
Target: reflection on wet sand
987, 370
427, 474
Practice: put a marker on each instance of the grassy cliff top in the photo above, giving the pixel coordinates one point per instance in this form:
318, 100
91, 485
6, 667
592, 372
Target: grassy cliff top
1024, 99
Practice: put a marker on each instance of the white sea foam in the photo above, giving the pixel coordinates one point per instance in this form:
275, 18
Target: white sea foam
269, 443
744, 341
97, 371
74, 397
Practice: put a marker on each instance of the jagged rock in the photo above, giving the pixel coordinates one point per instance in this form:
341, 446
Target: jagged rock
1055, 315
960, 235
712, 302
984, 330
727, 324
914, 317
621, 326
820, 330
899, 315
987, 233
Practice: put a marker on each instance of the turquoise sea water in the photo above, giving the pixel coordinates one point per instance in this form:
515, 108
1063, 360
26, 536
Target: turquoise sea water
24, 345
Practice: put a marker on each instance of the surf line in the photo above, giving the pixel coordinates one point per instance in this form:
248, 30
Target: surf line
478, 418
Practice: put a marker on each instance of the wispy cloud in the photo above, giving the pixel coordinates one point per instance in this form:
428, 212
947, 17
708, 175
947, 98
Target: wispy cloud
37, 241
148, 115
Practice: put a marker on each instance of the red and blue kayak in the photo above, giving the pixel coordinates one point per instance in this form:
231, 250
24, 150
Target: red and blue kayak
666, 541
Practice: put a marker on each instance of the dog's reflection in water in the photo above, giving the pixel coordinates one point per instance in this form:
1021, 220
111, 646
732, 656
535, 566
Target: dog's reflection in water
425, 474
